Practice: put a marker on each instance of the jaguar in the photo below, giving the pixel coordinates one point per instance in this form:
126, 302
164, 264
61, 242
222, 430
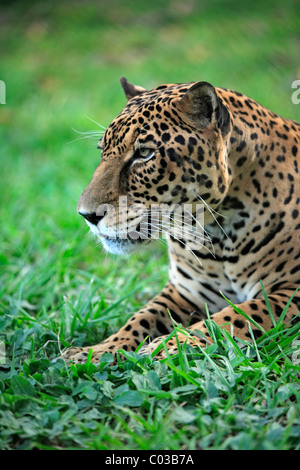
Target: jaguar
198, 145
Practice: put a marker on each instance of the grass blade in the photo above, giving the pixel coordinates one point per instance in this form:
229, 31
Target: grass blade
241, 312
268, 304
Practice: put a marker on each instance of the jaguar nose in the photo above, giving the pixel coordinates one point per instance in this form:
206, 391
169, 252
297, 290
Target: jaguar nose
92, 217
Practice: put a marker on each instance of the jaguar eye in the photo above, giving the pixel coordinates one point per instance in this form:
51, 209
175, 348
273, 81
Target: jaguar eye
142, 155
145, 153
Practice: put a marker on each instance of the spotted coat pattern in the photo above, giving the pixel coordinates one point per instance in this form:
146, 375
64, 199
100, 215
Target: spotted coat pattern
181, 143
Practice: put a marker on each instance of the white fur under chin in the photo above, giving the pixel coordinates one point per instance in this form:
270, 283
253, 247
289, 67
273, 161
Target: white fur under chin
117, 247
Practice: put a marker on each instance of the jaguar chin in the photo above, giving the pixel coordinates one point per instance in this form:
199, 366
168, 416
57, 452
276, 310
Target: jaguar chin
120, 246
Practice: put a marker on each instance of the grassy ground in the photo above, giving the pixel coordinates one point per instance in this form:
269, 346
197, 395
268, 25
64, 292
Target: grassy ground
61, 62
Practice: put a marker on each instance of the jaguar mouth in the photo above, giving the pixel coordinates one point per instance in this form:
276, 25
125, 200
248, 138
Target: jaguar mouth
121, 245
123, 241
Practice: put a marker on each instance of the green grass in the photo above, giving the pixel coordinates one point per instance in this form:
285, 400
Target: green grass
231, 396
61, 62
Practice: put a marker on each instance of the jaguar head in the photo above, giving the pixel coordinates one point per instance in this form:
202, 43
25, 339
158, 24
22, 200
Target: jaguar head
167, 148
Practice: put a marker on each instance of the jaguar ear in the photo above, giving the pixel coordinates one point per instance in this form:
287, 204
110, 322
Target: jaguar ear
131, 90
202, 107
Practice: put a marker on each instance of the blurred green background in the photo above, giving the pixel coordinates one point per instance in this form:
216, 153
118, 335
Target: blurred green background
61, 62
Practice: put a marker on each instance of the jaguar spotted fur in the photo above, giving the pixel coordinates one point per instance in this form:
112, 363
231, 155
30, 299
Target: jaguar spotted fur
185, 143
